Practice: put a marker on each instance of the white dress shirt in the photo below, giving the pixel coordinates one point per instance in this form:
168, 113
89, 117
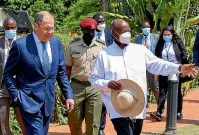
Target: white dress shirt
7, 43
168, 53
146, 39
40, 49
102, 36
131, 63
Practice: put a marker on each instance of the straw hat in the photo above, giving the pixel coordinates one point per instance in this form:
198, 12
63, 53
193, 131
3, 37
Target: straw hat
130, 100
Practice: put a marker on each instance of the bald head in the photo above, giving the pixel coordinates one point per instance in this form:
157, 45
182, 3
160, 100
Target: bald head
120, 26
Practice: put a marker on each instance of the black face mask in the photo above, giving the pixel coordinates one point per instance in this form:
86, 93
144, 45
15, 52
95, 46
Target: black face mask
88, 37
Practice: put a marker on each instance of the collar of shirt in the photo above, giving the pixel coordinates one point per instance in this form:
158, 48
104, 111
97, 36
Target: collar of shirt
102, 35
102, 32
82, 43
167, 44
148, 36
118, 48
37, 41
8, 40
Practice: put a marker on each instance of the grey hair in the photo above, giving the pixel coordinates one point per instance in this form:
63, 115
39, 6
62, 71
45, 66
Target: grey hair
40, 16
7, 20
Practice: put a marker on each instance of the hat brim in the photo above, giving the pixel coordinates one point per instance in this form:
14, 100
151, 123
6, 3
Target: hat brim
138, 93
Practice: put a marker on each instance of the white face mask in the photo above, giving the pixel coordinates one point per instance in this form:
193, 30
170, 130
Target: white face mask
101, 27
125, 38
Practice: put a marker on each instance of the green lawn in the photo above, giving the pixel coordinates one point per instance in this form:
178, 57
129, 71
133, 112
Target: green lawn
188, 130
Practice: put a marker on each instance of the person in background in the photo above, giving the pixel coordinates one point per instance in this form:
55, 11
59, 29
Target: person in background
170, 47
149, 40
34, 64
10, 29
120, 61
196, 50
101, 31
80, 58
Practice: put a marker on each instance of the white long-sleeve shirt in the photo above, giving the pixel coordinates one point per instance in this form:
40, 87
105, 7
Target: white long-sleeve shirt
131, 63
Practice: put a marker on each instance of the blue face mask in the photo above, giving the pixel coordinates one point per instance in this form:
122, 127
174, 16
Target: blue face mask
146, 31
167, 38
10, 34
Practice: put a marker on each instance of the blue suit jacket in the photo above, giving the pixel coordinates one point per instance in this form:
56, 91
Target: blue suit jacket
108, 37
31, 86
153, 38
196, 50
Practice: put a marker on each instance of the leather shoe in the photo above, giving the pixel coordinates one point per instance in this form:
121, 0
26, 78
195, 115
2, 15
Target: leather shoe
101, 132
157, 116
179, 116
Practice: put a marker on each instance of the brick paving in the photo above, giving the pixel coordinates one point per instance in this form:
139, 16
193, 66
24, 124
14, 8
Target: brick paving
190, 112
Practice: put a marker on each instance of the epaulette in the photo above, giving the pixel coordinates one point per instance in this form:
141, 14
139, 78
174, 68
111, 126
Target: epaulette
76, 39
100, 41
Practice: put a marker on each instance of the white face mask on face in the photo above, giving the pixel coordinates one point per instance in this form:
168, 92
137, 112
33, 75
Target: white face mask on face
125, 38
101, 27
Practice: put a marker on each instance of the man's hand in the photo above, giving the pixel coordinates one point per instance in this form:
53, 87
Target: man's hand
188, 70
69, 103
114, 85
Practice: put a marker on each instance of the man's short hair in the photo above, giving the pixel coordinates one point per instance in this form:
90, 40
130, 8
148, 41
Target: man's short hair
7, 20
40, 15
96, 16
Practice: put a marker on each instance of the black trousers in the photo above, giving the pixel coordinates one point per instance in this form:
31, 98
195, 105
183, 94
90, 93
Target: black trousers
103, 117
138, 126
163, 87
123, 126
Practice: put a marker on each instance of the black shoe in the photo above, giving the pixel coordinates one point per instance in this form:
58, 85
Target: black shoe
101, 132
156, 116
179, 116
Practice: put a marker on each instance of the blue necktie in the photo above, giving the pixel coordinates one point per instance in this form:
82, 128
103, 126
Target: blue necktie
149, 46
45, 59
99, 34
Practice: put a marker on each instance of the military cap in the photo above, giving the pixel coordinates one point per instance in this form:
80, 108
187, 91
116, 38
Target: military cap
88, 23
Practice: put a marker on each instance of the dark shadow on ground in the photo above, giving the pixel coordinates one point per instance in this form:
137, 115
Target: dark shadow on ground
187, 121
191, 101
56, 133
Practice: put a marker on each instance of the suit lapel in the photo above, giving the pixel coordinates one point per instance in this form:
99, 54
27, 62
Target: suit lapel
2, 48
152, 40
33, 50
177, 51
53, 52
140, 38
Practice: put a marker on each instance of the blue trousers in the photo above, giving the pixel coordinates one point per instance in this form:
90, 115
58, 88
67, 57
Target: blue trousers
36, 124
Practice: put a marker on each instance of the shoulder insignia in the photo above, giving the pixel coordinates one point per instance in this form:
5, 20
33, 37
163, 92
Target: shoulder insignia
74, 40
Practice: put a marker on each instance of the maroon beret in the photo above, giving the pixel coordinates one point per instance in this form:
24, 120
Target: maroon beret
88, 23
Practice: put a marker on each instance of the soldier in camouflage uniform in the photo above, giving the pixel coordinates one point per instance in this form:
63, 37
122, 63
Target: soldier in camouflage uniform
80, 58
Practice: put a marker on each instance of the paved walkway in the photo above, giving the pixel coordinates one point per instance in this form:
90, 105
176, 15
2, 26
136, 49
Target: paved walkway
190, 112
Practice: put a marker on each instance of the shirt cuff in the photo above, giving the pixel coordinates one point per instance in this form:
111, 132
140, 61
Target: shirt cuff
176, 66
105, 83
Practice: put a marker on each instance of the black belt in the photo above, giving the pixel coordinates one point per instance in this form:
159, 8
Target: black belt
81, 82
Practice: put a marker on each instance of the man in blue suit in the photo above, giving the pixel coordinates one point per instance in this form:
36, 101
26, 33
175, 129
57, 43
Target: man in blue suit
101, 31
37, 61
196, 50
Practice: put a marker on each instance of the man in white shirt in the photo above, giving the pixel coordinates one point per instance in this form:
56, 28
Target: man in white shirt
124, 60
105, 35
